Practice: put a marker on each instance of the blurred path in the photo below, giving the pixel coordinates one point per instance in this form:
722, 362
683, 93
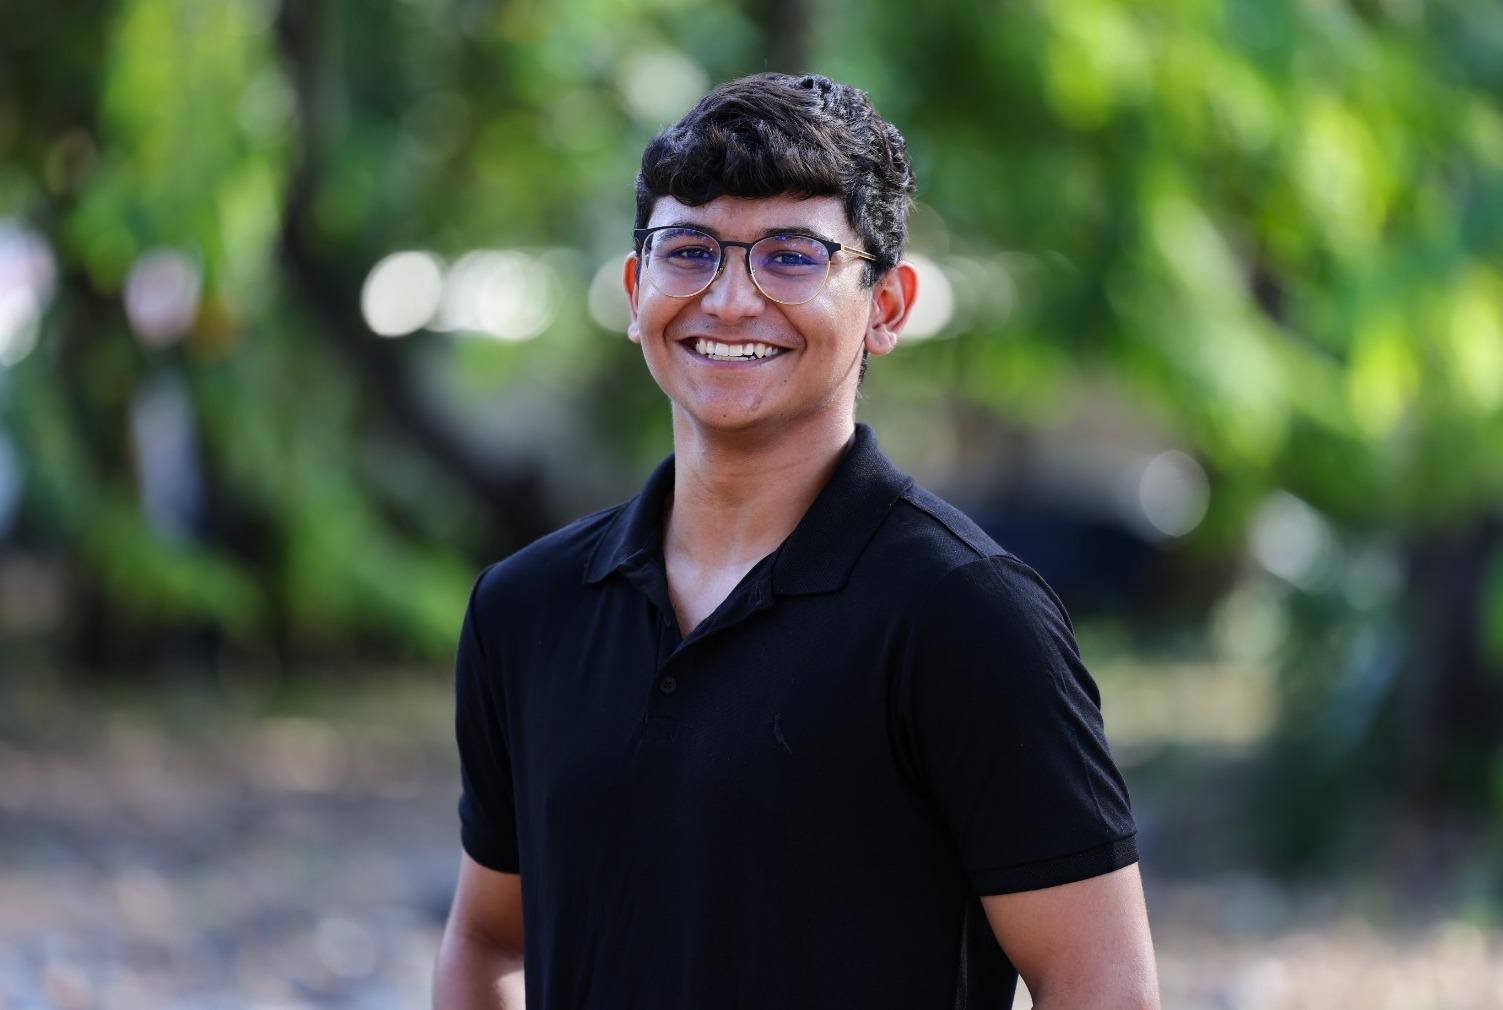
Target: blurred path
190, 854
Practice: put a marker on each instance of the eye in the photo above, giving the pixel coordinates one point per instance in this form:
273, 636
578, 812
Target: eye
686, 248
791, 254
790, 258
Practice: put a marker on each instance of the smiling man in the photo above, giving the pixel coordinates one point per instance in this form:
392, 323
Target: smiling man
785, 729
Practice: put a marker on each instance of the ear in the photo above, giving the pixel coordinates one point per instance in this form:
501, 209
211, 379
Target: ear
891, 300
631, 281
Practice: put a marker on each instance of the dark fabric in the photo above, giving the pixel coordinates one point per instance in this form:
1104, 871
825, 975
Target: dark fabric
799, 804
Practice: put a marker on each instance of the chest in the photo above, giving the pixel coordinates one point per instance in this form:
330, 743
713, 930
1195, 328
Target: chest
779, 718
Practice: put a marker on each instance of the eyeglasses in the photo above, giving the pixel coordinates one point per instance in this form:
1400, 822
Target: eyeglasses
789, 268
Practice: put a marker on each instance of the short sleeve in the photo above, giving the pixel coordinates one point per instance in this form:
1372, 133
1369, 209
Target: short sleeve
487, 807
1007, 734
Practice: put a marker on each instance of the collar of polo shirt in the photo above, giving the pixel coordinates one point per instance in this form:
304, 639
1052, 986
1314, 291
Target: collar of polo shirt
818, 555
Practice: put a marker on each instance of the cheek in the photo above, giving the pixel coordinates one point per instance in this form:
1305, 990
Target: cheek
653, 315
654, 341
839, 324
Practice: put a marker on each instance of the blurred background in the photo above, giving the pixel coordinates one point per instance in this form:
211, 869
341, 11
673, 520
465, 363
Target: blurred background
311, 309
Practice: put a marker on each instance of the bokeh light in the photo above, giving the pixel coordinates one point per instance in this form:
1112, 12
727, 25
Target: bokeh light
1290, 539
161, 296
1172, 494
659, 84
607, 299
401, 293
506, 294
28, 276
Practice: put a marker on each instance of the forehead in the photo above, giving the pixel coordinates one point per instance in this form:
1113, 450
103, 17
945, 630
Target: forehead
737, 217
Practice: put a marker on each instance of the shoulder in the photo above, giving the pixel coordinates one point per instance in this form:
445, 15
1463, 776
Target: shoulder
552, 564
980, 628
995, 599
952, 577
940, 549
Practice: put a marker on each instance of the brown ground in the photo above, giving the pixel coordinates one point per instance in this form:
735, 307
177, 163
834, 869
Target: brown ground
198, 854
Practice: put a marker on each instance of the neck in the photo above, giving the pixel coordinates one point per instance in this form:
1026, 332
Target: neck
736, 496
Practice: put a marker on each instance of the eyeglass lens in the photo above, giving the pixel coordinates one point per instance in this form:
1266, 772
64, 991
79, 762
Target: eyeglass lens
787, 268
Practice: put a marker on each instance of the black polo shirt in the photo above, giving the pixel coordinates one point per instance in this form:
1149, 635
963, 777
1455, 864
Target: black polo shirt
798, 804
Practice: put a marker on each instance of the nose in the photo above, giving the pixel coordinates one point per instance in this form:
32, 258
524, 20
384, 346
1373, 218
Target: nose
733, 294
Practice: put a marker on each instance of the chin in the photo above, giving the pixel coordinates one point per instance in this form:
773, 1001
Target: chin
728, 418
728, 422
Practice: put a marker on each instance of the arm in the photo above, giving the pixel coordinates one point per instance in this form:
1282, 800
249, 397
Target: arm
480, 956
1083, 945
1007, 734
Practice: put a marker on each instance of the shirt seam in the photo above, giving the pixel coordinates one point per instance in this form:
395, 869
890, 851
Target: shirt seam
908, 497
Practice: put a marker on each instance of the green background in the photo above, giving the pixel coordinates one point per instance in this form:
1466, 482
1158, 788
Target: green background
1264, 236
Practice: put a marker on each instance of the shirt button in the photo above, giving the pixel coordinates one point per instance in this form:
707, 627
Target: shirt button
667, 685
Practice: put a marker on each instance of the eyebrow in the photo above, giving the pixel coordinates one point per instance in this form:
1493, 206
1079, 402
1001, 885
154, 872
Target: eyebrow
797, 229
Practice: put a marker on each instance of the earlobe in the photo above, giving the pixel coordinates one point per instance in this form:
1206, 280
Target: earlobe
881, 341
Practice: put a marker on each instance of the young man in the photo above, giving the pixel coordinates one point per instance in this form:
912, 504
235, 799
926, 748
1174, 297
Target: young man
785, 729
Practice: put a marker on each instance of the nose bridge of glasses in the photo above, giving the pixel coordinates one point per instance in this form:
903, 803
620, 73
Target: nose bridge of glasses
725, 252
725, 256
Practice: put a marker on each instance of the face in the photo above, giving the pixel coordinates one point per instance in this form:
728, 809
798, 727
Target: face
818, 344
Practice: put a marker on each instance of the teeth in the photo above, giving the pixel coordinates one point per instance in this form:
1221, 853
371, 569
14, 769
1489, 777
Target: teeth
734, 352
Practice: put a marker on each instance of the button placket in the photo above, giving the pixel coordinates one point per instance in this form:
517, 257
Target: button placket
665, 684
743, 601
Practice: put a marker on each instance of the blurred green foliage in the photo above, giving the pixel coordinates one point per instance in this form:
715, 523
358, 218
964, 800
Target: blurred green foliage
1275, 227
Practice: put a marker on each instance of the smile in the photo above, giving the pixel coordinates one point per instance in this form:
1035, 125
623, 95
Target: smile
716, 351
